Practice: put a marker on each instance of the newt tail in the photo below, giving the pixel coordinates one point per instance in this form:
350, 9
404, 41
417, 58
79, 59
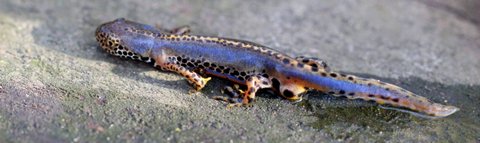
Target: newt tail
354, 87
250, 64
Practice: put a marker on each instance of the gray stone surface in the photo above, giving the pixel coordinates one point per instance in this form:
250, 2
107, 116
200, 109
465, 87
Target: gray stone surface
57, 85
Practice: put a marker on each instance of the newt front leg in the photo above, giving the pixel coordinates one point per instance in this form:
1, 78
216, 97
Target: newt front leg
169, 63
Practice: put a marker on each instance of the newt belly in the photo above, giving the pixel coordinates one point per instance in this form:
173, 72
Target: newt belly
252, 65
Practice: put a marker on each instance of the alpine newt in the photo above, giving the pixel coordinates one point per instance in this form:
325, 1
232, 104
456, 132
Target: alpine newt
252, 65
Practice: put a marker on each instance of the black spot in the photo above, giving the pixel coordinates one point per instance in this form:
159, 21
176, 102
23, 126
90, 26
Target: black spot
371, 95
300, 65
124, 53
145, 58
241, 78
275, 83
351, 93
265, 83
387, 89
235, 73
314, 69
333, 75
265, 75
218, 70
213, 65
369, 84
243, 74
385, 97
190, 64
286, 61
323, 74
288, 93
305, 60
184, 60
130, 54
350, 78
341, 92
120, 47
395, 99
206, 64
221, 67
247, 77
183, 65
227, 70
331, 92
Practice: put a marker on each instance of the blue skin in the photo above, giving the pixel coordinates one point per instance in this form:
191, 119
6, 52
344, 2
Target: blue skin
238, 58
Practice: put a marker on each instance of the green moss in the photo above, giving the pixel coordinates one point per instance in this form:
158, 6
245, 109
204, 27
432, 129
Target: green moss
45, 67
6, 68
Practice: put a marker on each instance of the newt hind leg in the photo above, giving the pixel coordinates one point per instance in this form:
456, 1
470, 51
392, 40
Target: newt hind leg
244, 98
234, 94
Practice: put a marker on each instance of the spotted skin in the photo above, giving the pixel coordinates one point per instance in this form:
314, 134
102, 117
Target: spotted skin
314, 62
252, 65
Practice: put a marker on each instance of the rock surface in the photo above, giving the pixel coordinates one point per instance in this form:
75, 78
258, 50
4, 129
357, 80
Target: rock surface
57, 85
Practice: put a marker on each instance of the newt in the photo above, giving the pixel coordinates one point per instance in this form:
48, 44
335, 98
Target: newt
255, 66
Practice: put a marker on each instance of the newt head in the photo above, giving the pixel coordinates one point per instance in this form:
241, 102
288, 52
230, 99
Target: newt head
126, 39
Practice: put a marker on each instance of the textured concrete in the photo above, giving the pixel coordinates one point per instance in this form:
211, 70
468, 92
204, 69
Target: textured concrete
57, 85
